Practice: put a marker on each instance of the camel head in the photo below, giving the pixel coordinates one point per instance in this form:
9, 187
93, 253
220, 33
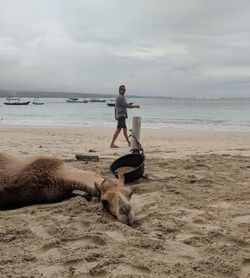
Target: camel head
115, 197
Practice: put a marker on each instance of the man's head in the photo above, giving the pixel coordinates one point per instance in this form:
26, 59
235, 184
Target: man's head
115, 197
122, 90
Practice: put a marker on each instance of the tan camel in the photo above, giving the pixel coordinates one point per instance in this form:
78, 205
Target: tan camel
47, 179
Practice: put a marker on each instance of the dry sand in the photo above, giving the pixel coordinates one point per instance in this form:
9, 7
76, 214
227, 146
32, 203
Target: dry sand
192, 211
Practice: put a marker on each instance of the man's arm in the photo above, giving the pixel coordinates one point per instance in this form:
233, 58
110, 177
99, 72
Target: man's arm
133, 106
121, 102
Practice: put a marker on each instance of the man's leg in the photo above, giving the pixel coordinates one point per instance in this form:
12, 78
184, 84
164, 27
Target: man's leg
112, 144
125, 132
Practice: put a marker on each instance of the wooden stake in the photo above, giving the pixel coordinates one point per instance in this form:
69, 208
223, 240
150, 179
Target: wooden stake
136, 131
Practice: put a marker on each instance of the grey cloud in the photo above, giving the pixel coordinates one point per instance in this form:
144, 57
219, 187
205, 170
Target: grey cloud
166, 47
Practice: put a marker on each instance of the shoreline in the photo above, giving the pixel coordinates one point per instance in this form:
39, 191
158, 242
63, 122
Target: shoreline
205, 129
17, 126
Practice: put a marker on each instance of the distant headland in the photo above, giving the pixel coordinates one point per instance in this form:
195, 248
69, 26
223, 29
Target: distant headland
54, 94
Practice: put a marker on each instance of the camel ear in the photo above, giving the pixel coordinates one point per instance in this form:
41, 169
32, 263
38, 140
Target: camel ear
104, 202
98, 190
121, 178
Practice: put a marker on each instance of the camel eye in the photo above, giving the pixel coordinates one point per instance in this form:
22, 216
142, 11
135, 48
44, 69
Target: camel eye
105, 204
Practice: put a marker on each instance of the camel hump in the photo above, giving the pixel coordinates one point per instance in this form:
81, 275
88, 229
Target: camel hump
41, 170
44, 165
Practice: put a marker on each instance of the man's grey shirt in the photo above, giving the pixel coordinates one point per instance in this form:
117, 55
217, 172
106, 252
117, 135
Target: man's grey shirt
121, 107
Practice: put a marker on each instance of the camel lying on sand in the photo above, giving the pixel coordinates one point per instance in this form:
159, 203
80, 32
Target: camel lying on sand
47, 179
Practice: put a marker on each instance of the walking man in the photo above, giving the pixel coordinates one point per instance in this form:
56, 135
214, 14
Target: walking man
121, 115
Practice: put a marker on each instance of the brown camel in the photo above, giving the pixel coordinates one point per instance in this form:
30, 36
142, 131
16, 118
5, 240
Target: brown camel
47, 179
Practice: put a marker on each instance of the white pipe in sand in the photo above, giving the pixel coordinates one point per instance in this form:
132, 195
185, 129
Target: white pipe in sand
136, 131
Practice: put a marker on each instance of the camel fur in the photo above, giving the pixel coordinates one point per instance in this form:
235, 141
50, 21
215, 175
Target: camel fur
48, 179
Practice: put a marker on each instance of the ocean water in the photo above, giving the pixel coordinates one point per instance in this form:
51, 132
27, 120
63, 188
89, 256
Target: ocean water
159, 113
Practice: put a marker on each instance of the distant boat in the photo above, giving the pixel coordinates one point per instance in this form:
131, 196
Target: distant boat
76, 100
111, 102
36, 101
15, 101
97, 100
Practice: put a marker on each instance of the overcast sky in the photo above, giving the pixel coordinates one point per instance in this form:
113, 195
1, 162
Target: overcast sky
155, 47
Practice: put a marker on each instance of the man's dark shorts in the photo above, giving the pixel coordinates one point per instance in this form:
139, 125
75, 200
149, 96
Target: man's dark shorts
121, 122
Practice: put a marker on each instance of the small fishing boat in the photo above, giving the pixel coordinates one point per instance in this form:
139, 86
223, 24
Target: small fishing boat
76, 100
97, 100
110, 102
36, 101
15, 101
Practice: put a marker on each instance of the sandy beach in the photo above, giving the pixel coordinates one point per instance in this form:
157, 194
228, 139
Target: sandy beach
192, 209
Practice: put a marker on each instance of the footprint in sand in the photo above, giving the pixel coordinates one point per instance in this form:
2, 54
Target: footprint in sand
186, 236
80, 225
242, 219
85, 240
35, 226
182, 253
51, 271
129, 270
38, 230
117, 236
52, 253
221, 205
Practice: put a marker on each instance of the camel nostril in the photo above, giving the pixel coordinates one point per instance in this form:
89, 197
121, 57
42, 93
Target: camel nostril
125, 209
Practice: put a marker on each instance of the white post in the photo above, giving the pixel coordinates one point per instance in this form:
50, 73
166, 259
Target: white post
136, 131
